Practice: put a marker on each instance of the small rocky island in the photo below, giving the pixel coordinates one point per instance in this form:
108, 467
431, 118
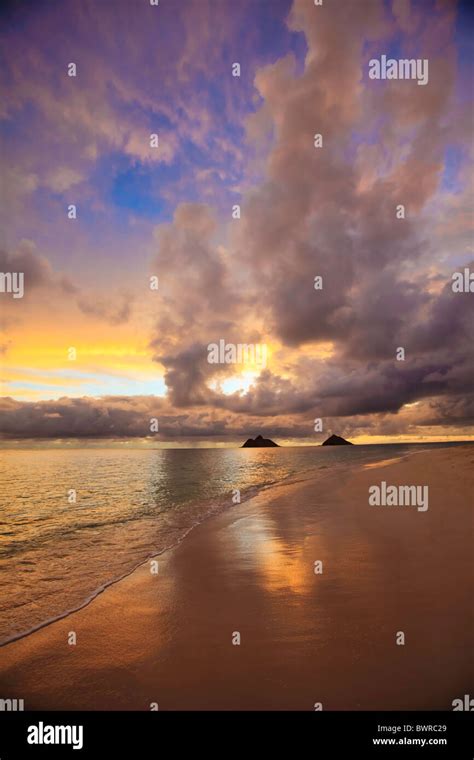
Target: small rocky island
258, 442
336, 440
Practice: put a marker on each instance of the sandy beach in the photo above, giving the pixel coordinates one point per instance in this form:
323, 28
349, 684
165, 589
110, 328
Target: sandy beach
305, 637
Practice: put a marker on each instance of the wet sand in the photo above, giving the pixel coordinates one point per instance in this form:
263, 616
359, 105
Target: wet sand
305, 638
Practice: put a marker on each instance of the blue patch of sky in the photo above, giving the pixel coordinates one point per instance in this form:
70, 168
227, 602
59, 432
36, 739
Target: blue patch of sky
464, 38
369, 136
454, 157
24, 385
274, 38
136, 189
112, 386
17, 125
108, 385
132, 189
72, 373
154, 118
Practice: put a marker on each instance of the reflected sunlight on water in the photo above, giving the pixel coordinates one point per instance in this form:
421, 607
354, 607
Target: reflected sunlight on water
56, 555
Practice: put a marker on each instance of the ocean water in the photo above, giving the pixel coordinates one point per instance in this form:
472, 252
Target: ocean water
56, 555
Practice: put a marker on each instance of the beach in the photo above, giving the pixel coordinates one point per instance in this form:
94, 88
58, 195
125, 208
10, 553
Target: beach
321, 634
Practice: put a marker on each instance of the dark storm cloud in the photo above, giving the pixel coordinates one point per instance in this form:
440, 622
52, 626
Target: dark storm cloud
329, 212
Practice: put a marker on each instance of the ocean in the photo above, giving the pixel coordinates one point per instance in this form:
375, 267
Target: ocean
59, 549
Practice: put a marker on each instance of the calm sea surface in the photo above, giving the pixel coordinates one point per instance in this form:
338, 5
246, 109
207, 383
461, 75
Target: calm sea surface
55, 554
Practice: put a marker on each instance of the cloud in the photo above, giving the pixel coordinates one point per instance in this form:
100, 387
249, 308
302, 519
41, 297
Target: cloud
305, 211
106, 310
130, 417
63, 178
318, 213
36, 268
40, 275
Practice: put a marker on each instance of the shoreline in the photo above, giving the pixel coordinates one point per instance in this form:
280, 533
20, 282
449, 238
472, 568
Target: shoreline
248, 494
254, 561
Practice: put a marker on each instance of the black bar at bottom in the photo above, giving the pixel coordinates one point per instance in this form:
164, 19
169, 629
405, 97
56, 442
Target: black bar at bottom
152, 734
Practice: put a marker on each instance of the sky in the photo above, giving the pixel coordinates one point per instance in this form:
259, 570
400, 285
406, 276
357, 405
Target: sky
91, 350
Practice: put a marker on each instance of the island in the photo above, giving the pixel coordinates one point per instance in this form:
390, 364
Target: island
258, 441
336, 440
